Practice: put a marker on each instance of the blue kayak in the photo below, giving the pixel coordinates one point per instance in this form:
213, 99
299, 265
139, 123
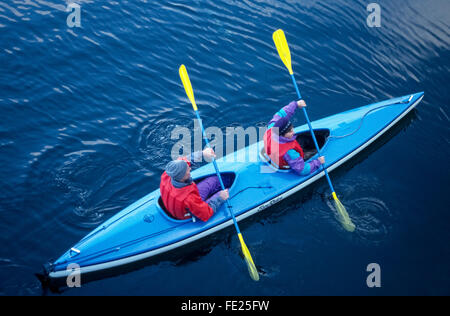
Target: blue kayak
144, 229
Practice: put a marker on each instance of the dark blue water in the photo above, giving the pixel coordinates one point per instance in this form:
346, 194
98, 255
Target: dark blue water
86, 113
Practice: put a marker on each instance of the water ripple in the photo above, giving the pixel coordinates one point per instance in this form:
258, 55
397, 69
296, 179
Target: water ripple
372, 219
370, 214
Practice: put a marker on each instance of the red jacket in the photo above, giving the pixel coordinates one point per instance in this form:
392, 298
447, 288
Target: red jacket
184, 201
276, 150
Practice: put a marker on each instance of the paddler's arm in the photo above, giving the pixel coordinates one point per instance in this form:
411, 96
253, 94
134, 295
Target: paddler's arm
198, 156
217, 200
287, 111
296, 162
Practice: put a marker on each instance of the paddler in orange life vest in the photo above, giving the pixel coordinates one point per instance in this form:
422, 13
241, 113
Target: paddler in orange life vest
183, 198
281, 144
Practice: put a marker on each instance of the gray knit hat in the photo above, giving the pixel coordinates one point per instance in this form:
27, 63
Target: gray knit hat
176, 169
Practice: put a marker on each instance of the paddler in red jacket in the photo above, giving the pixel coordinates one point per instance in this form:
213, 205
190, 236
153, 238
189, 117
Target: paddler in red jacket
281, 144
183, 198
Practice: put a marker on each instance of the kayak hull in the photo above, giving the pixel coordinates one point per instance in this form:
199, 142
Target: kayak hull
143, 230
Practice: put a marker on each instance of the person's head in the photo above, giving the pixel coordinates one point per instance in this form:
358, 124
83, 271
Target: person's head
285, 127
179, 170
289, 133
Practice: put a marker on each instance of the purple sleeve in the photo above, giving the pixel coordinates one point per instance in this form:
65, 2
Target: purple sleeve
315, 165
287, 111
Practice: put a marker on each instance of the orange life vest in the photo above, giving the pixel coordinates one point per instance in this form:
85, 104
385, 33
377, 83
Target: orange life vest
174, 199
185, 202
276, 150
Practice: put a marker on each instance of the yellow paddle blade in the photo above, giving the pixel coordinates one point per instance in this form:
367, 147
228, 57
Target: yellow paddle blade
187, 85
344, 218
248, 259
283, 49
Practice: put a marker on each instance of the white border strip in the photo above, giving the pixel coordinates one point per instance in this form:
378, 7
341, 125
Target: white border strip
145, 255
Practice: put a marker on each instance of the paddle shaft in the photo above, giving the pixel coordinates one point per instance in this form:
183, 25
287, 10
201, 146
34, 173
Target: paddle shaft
312, 132
217, 171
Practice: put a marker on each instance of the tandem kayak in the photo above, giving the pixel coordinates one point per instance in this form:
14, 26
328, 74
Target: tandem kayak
144, 229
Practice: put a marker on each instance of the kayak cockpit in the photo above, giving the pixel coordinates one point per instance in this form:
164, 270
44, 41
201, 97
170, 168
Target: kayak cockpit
306, 142
227, 177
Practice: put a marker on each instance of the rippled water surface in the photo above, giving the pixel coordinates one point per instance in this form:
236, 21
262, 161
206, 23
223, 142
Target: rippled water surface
86, 115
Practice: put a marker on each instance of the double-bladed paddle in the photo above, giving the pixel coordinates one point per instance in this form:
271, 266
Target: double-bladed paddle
190, 93
283, 50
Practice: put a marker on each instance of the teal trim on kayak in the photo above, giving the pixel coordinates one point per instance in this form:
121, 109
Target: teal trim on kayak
143, 229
